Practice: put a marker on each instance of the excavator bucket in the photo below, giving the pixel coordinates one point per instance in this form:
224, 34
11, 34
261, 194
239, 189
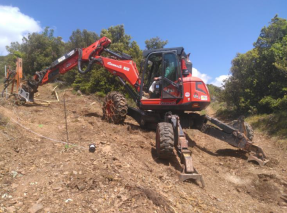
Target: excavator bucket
188, 171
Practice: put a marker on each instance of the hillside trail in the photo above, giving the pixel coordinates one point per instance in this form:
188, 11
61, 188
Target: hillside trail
124, 174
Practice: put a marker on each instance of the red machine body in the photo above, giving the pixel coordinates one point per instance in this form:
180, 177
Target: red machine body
192, 95
195, 98
125, 69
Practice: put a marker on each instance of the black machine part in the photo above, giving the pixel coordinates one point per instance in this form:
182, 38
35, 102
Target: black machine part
181, 146
219, 130
235, 138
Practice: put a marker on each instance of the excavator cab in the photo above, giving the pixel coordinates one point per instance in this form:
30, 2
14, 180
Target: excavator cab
167, 83
162, 75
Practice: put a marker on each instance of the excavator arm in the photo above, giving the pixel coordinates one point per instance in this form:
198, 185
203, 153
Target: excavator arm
120, 65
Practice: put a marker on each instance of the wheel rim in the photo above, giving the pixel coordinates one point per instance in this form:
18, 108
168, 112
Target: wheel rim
109, 109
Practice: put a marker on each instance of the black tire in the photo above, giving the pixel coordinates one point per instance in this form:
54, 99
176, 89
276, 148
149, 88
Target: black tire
164, 140
115, 108
249, 129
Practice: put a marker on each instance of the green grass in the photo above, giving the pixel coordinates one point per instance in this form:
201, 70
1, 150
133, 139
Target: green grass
224, 113
273, 124
218, 106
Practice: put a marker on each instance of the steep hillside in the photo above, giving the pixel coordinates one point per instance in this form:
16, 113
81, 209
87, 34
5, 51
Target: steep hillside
39, 173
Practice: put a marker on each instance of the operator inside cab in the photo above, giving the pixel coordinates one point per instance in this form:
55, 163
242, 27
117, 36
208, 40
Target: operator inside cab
161, 79
170, 67
169, 73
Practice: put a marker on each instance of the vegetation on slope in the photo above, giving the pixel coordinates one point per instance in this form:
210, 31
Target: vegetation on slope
258, 82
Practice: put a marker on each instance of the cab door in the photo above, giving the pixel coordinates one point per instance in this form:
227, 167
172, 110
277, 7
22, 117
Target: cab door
171, 77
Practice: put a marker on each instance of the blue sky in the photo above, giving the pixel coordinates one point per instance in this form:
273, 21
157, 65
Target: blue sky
212, 31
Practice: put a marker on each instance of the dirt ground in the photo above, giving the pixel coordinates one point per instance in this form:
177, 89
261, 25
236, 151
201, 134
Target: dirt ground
38, 174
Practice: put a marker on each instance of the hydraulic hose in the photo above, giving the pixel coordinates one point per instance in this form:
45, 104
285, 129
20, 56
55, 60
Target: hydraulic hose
92, 60
80, 63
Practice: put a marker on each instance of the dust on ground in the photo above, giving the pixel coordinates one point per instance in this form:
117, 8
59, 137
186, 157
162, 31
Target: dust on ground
124, 174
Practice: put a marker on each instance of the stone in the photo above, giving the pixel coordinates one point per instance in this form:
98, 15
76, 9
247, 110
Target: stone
11, 209
36, 208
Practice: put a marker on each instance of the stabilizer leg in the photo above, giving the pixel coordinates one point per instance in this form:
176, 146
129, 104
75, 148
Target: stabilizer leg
181, 145
235, 138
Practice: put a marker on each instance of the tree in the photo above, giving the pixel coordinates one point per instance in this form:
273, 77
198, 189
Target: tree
259, 77
274, 33
155, 43
100, 80
37, 50
81, 39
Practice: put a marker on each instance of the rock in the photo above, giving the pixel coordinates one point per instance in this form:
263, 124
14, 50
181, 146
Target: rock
14, 185
19, 204
68, 200
282, 204
35, 208
47, 209
75, 172
12, 202
57, 188
14, 174
118, 164
100, 200
81, 187
11, 209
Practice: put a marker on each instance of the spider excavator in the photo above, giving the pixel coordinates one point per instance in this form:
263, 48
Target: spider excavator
166, 93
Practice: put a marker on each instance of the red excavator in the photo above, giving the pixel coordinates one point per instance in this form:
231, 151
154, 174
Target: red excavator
166, 95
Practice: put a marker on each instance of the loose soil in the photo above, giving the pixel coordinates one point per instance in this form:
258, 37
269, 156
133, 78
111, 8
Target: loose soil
124, 174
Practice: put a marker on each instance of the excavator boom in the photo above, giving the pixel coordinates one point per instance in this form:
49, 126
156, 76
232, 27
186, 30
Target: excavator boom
120, 65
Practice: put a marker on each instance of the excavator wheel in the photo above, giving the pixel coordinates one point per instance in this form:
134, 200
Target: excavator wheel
164, 140
115, 108
249, 129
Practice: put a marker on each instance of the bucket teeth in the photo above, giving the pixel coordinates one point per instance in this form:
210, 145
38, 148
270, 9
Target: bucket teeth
193, 176
261, 161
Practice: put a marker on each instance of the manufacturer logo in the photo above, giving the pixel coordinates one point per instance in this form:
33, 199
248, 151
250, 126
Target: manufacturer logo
126, 69
167, 103
114, 65
71, 53
61, 59
204, 97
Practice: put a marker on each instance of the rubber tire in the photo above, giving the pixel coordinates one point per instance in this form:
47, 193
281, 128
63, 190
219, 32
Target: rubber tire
249, 129
115, 108
164, 140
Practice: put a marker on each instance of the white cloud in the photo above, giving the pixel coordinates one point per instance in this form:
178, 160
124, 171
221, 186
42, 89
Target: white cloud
203, 76
219, 80
14, 25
